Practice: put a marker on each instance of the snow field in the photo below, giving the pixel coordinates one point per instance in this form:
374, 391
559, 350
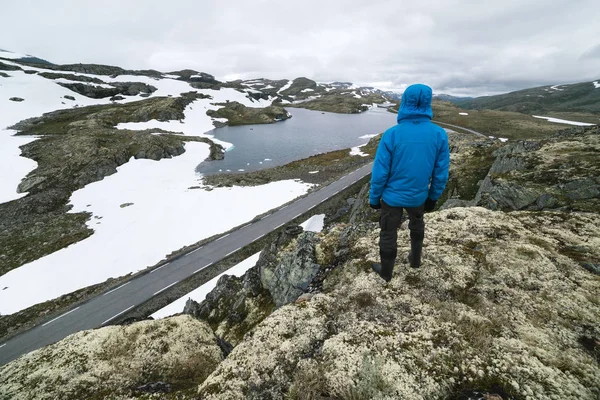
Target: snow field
164, 216
563, 121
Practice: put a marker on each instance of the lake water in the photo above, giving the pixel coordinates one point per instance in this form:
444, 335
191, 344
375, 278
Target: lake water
305, 134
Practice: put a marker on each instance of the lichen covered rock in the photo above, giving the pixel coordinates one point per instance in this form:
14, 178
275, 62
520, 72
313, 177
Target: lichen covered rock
562, 172
290, 271
115, 361
502, 304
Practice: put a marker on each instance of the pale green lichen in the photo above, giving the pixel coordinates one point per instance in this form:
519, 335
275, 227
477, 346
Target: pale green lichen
109, 362
490, 308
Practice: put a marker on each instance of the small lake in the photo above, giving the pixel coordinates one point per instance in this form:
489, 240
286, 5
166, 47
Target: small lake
305, 134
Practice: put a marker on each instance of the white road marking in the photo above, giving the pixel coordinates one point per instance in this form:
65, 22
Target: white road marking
230, 253
245, 226
334, 193
311, 207
261, 236
115, 316
193, 251
279, 226
265, 217
60, 316
3, 345
297, 216
162, 266
284, 207
222, 237
165, 288
125, 284
201, 268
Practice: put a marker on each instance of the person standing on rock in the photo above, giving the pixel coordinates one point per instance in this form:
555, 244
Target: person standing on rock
410, 172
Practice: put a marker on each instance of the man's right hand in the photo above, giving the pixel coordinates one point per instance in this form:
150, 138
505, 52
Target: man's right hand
430, 205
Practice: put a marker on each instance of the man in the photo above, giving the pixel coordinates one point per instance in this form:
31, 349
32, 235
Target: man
410, 172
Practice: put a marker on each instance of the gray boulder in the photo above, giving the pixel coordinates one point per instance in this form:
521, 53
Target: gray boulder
288, 276
582, 189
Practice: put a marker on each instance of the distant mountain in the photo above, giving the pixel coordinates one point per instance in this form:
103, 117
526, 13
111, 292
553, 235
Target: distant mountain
25, 58
452, 99
577, 97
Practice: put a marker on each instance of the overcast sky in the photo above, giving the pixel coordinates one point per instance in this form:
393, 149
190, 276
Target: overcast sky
455, 46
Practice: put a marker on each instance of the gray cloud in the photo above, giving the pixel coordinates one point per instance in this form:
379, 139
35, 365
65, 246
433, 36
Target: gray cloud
456, 46
592, 53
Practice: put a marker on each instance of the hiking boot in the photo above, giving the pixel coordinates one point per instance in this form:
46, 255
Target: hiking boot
415, 263
416, 248
384, 270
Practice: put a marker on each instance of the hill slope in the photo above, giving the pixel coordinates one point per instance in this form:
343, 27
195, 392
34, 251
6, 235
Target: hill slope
577, 97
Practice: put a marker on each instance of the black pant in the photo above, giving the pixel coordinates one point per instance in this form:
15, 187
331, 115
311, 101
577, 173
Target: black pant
389, 222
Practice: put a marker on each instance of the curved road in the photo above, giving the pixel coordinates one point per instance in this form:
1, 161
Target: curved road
103, 309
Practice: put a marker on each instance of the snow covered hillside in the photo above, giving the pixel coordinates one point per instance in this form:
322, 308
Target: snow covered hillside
147, 209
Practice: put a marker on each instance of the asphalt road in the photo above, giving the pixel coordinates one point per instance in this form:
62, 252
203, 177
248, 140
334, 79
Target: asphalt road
461, 128
105, 308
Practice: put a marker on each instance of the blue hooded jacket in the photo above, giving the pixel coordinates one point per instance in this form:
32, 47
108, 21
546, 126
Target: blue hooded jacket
413, 158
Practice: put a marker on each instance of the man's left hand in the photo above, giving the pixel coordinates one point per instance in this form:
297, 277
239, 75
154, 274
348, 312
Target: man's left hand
375, 206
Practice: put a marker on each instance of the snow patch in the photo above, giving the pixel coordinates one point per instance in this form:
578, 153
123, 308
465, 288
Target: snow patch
556, 87
372, 135
563, 121
313, 172
355, 151
314, 223
196, 122
307, 90
596, 85
41, 96
165, 216
503, 139
285, 87
12, 56
463, 113
199, 294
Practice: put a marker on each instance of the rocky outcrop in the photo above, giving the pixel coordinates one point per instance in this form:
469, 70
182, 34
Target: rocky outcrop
500, 306
562, 172
198, 80
95, 69
298, 86
118, 88
471, 158
71, 77
8, 67
342, 103
284, 271
234, 307
17, 99
116, 362
239, 114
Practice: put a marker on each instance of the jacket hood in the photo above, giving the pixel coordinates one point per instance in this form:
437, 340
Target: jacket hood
416, 102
